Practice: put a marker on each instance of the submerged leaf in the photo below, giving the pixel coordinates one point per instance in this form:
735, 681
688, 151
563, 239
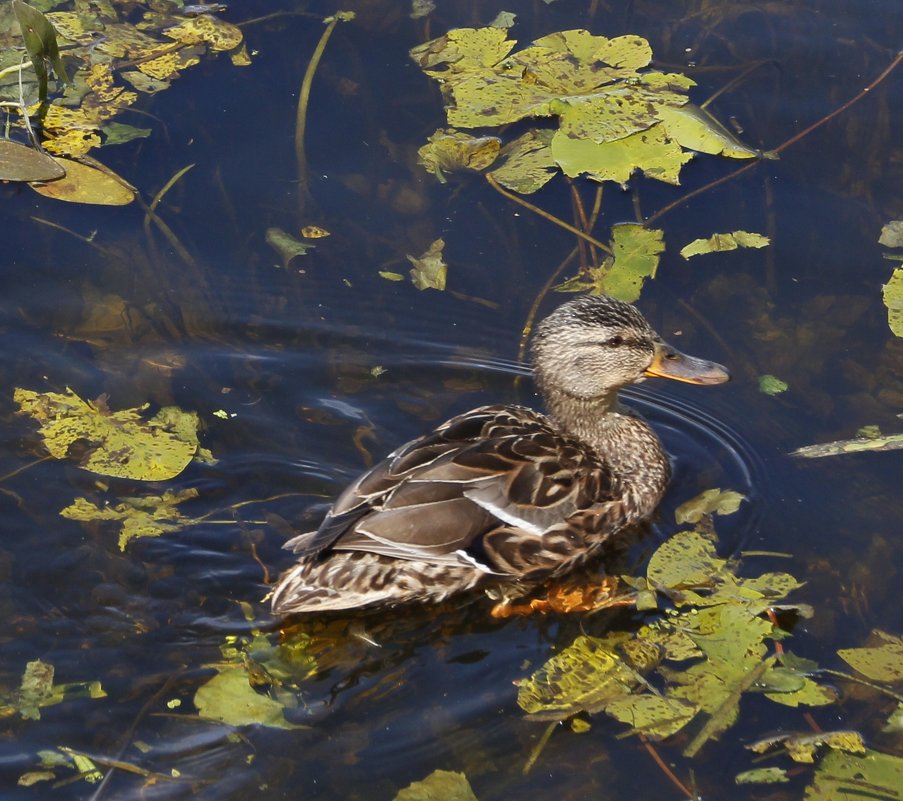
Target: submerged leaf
762, 776
287, 246
802, 747
710, 502
718, 243
429, 269
440, 785
450, 150
230, 698
881, 661
121, 444
772, 385
891, 442
892, 234
148, 516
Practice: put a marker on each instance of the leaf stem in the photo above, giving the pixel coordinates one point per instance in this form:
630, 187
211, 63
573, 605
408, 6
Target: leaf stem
781, 147
301, 115
545, 215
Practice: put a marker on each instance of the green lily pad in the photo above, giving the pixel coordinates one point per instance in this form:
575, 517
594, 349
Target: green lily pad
636, 256
230, 698
450, 150
695, 129
762, 776
527, 162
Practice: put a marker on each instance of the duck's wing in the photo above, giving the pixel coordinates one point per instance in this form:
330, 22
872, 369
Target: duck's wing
498, 487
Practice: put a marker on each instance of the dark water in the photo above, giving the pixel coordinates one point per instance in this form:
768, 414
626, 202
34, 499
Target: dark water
290, 354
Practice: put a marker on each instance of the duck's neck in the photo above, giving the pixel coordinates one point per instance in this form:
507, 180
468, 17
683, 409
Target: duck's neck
624, 441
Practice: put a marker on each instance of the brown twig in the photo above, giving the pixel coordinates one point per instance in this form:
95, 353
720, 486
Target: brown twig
783, 146
663, 766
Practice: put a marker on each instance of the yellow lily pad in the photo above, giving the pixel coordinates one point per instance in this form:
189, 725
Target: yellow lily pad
841, 777
880, 661
147, 516
527, 162
695, 129
84, 184
651, 151
122, 444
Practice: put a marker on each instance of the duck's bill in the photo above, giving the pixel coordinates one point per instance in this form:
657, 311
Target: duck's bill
671, 363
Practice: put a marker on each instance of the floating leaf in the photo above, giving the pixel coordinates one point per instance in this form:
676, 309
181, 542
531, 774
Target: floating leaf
21, 163
843, 777
892, 234
584, 677
652, 715
440, 785
429, 269
147, 516
650, 151
688, 559
38, 690
121, 444
891, 442
314, 232
230, 698
772, 385
802, 747
710, 502
527, 162
390, 276
450, 150
718, 243
762, 776
881, 661
287, 246
695, 129
893, 299
636, 256
84, 184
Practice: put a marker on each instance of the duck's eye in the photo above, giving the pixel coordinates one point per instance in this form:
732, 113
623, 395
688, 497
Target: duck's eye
615, 341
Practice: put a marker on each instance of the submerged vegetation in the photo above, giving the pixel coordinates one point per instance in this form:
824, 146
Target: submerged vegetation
566, 138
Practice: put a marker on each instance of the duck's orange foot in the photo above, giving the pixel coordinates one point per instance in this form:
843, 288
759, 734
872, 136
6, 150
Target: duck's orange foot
564, 598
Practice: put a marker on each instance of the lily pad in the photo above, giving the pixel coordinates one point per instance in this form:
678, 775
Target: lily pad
892, 234
123, 444
527, 162
772, 385
881, 661
450, 150
841, 776
85, 184
696, 129
21, 163
762, 776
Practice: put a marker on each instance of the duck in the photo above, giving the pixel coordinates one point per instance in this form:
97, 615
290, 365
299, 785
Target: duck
502, 498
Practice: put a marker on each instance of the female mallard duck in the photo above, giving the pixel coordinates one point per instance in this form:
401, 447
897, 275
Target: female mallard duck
502, 494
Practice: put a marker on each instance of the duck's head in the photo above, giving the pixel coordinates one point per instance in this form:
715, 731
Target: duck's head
590, 347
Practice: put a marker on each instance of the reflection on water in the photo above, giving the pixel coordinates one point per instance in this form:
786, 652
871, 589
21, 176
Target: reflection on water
305, 375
